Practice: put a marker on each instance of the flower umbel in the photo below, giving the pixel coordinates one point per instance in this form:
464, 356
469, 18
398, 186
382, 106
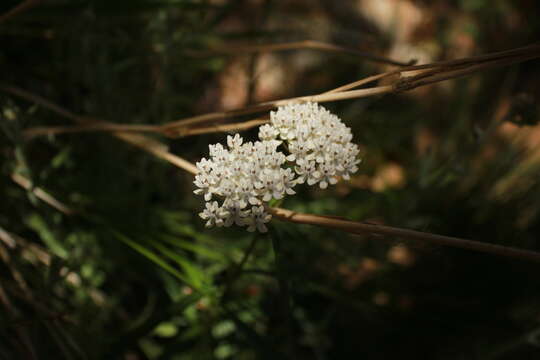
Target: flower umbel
248, 174
318, 141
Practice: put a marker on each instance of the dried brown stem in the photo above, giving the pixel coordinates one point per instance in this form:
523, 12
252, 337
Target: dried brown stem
359, 83
22, 7
177, 126
12, 241
157, 149
146, 143
41, 194
439, 72
240, 126
364, 228
298, 45
406, 78
97, 127
420, 75
437, 76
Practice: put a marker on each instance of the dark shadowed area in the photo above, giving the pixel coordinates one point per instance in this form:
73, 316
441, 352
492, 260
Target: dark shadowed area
103, 254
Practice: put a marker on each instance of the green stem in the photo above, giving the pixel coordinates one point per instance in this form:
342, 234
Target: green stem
285, 297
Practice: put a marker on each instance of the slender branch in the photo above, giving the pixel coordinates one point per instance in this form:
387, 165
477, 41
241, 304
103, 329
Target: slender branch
239, 126
97, 127
157, 149
160, 150
297, 45
407, 78
285, 297
359, 83
365, 228
438, 76
13, 240
22, 7
237, 271
23, 342
146, 143
41, 101
41, 194
325, 97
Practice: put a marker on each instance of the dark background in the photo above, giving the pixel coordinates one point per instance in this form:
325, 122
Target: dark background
135, 275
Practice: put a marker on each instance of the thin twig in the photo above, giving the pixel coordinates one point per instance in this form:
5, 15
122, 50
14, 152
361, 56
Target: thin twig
297, 45
146, 143
365, 228
408, 78
359, 83
13, 240
160, 150
157, 149
41, 194
239, 126
237, 271
325, 97
13, 313
7, 238
22, 7
434, 72
97, 127
285, 297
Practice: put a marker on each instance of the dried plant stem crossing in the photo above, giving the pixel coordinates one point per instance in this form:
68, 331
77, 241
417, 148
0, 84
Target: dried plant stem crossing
365, 228
437, 72
22, 7
407, 78
297, 45
404, 79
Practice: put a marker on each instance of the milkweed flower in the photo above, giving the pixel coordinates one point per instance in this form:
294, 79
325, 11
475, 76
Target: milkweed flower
214, 214
319, 143
246, 175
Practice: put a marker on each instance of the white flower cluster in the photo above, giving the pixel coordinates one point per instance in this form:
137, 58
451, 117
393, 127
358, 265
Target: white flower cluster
318, 142
245, 174
248, 174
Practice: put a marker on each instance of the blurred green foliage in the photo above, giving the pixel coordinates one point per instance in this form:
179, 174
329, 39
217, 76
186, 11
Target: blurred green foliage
133, 274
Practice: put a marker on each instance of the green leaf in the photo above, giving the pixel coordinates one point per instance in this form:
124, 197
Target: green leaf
38, 224
152, 257
197, 277
166, 329
61, 158
201, 250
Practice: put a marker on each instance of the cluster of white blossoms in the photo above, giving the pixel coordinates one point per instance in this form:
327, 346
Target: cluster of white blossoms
247, 175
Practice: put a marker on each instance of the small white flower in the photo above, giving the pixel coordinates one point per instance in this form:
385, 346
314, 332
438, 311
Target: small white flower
289, 181
245, 193
259, 217
318, 142
234, 142
270, 185
327, 175
204, 183
235, 214
215, 150
307, 171
298, 150
320, 146
268, 133
214, 214
204, 165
